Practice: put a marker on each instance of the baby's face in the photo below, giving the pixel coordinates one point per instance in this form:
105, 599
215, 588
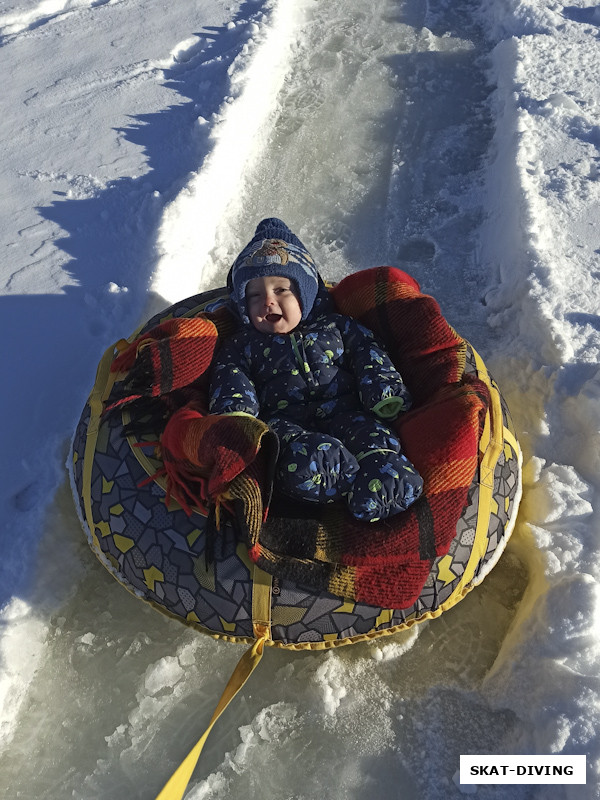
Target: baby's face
273, 305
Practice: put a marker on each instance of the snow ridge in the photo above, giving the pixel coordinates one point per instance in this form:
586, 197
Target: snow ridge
545, 152
189, 224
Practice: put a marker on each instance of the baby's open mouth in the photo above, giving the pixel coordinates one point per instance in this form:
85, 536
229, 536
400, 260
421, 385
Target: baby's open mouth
273, 317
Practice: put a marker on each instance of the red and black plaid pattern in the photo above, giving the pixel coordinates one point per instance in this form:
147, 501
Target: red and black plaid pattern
210, 460
171, 356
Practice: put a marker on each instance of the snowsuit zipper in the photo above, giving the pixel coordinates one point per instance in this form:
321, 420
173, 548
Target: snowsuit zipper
300, 353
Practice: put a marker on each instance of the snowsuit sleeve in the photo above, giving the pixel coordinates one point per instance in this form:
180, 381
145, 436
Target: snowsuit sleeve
381, 388
231, 387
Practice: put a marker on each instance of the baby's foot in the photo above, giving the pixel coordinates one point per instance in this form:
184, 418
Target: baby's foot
386, 484
317, 468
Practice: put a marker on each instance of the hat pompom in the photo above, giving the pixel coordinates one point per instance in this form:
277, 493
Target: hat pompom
273, 228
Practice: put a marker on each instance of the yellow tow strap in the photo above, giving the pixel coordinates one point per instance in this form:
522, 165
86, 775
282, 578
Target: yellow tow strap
175, 787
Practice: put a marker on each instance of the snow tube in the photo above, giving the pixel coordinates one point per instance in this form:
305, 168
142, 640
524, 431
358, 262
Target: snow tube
158, 552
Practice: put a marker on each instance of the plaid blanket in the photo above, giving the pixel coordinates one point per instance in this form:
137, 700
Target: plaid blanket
227, 462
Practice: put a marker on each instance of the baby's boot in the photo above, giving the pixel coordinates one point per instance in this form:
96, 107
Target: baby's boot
316, 467
385, 484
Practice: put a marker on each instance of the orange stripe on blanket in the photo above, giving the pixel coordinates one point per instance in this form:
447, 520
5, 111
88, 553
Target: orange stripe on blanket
450, 476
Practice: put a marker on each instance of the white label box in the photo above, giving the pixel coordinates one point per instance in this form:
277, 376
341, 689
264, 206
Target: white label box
522, 769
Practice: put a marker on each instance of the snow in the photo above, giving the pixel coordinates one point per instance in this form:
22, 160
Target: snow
140, 144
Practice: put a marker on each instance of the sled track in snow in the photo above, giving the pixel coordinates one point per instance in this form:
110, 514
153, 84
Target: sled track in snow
368, 137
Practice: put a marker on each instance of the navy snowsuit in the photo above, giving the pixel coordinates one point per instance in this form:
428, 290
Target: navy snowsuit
326, 389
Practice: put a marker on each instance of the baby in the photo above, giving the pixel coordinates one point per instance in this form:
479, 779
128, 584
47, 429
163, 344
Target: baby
317, 378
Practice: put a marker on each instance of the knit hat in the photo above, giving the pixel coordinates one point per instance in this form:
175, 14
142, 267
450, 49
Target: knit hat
274, 250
